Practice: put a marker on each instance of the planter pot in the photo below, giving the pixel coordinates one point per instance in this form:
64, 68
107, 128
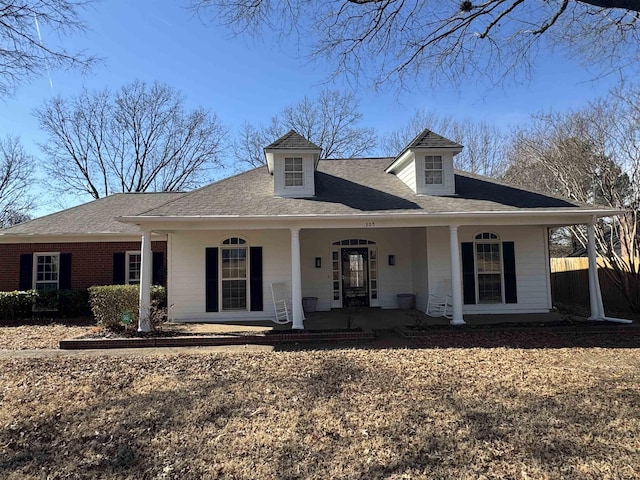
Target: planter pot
406, 301
309, 304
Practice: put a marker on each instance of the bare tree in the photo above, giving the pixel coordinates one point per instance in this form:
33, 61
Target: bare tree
591, 156
330, 121
137, 139
24, 53
16, 176
484, 144
451, 41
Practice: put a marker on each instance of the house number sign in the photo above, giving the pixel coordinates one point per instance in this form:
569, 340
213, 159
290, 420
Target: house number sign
369, 224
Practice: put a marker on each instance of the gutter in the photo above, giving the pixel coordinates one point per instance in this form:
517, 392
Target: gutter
372, 216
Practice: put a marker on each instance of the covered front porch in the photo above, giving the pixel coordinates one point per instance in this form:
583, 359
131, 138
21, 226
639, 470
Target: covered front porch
390, 259
376, 319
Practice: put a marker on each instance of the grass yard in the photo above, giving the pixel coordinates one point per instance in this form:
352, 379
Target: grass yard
41, 335
464, 413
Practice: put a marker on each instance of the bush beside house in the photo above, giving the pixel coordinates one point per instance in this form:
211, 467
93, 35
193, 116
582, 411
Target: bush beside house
105, 303
110, 302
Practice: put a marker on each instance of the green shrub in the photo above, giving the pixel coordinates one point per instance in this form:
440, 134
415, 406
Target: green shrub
109, 302
70, 303
159, 296
17, 304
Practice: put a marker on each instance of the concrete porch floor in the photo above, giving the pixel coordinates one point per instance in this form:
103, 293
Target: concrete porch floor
367, 318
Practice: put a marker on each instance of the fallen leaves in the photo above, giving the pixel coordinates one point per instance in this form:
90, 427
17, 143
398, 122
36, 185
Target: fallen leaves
445, 413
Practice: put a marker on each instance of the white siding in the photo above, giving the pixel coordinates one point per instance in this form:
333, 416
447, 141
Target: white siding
308, 187
187, 275
531, 267
448, 187
419, 266
317, 282
422, 265
408, 175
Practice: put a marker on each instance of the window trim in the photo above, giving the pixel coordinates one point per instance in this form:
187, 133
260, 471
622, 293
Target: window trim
494, 239
127, 265
35, 281
241, 244
293, 172
429, 170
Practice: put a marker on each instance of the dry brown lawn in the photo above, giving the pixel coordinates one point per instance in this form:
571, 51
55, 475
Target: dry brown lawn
46, 335
466, 413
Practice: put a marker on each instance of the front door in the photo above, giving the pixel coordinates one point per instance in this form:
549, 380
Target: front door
355, 277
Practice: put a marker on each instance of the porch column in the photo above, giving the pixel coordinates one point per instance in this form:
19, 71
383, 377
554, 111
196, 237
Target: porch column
595, 295
145, 282
296, 281
456, 278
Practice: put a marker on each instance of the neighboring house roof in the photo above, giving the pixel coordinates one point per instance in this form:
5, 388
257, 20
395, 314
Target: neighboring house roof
294, 141
354, 186
96, 217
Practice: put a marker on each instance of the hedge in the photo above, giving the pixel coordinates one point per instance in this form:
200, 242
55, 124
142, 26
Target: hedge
109, 302
17, 304
70, 303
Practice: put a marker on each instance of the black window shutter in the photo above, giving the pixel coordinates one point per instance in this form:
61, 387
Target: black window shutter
468, 273
255, 272
509, 266
119, 268
159, 277
26, 271
211, 279
64, 276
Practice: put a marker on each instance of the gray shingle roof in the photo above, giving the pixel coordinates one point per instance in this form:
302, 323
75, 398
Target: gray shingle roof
292, 140
353, 186
96, 217
428, 139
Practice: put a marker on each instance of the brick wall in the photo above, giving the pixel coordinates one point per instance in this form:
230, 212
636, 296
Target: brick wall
91, 263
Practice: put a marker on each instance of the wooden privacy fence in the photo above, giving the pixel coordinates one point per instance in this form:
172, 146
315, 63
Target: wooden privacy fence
570, 283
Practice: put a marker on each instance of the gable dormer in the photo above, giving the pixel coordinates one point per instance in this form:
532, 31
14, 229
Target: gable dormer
292, 161
426, 164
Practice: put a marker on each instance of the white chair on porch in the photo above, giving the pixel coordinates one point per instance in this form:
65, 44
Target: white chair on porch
280, 302
440, 304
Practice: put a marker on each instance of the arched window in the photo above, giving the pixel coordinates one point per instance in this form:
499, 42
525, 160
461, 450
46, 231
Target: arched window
488, 263
234, 273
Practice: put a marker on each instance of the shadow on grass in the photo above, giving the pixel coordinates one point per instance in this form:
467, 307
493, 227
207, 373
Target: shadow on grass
337, 416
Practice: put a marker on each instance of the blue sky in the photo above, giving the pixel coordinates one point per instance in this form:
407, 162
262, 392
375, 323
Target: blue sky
244, 79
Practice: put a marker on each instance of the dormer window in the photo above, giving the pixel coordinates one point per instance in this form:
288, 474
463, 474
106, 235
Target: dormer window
292, 160
433, 172
293, 174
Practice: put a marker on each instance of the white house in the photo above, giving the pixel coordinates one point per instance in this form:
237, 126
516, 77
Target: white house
358, 231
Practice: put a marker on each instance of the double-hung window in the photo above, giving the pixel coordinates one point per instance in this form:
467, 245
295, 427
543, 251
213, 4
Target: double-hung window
46, 271
134, 262
488, 268
293, 172
233, 268
433, 173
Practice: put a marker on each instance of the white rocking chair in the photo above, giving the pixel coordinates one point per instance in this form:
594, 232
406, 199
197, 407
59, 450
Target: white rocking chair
439, 305
280, 303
